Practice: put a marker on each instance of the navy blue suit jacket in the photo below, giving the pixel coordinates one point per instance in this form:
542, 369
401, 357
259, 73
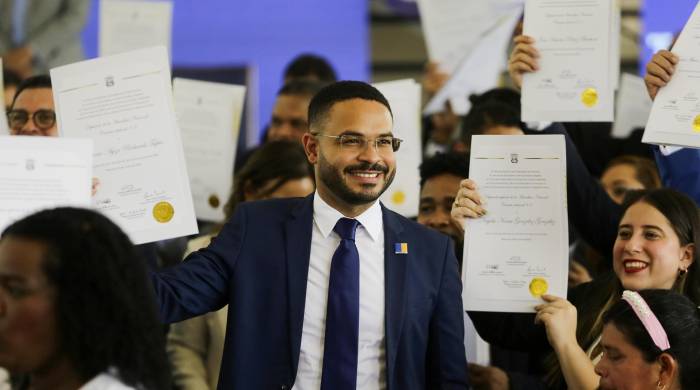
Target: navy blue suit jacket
258, 265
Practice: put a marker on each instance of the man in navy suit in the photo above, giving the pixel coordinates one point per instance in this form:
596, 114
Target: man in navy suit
332, 291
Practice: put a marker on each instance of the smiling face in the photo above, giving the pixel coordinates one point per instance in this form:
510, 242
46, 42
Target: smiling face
648, 253
28, 334
352, 177
623, 367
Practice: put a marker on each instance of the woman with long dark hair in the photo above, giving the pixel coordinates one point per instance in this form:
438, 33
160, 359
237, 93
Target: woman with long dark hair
656, 248
76, 308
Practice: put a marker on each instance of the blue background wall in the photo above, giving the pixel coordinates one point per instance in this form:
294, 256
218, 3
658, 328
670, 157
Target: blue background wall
265, 34
661, 20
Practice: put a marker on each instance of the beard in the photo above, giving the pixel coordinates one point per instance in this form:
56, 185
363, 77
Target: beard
333, 180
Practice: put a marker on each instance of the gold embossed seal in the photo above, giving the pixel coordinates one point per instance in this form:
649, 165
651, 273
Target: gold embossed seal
214, 201
696, 124
163, 212
538, 287
398, 197
589, 97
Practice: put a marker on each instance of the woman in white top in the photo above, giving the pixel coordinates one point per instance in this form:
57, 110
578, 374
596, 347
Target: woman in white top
76, 307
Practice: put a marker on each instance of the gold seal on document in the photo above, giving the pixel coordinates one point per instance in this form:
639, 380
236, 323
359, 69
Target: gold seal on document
163, 212
538, 287
696, 124
214, 201
398, 197
589, 97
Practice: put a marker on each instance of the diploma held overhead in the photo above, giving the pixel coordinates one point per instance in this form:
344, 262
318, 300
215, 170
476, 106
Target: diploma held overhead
124, 104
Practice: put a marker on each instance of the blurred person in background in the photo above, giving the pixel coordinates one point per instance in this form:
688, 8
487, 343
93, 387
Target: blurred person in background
38, 35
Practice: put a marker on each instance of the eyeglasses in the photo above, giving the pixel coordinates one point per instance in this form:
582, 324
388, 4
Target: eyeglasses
43, 119
358, 143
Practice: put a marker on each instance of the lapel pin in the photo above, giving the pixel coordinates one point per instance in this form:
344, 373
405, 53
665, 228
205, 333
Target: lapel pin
401, 248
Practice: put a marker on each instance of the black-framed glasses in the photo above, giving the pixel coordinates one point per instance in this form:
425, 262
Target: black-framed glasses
44, 119
357, 143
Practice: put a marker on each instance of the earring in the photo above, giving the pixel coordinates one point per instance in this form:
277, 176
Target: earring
682, 271
659, 386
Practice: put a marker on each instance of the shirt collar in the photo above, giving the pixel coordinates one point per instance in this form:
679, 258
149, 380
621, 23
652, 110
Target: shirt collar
326, 217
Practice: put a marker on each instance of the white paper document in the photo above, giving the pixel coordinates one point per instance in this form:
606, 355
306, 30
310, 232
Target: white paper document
4, 130
480, 69
632, 106
675, 114
574, 81
38, 173
519, 250
124, 103
126, 25
452, 27
404, 98
209, 117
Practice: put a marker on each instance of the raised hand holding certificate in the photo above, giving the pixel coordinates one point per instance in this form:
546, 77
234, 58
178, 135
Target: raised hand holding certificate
209, 116
124, 104
518, 251
574, 81
675, 114
404, 98
42, 172
126, 25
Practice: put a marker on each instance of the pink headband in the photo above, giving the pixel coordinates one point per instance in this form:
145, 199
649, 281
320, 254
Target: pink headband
649, 320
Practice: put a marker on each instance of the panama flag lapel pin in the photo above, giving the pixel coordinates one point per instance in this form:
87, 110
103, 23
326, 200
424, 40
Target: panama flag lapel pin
401, 248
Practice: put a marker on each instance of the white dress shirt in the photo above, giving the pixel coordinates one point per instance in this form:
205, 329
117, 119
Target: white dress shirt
369, 239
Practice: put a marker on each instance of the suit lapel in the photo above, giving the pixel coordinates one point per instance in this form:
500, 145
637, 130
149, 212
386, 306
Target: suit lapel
298, 231
394, 275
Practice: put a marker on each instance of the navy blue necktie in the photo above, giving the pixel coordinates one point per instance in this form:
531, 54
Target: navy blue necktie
342, 312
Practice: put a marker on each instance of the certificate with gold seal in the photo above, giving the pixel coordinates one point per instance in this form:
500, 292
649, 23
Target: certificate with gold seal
675, 114
124, 103
404, 98
578, 64
209, 116
519, 250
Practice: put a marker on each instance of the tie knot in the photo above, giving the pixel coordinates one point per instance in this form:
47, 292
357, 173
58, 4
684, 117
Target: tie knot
345, 228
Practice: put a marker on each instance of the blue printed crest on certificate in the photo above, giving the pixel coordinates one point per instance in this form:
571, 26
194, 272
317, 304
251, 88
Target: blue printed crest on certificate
519, 249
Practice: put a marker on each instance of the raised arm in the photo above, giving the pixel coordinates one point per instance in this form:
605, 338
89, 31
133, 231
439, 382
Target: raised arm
201, 283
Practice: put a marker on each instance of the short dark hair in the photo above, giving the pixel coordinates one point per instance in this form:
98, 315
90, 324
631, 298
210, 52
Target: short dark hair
38, 81
504, 95
306, 65
301, 88
449, 163
10, 78
489, 114
338, 92
105, 307
282, 160
679, 317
